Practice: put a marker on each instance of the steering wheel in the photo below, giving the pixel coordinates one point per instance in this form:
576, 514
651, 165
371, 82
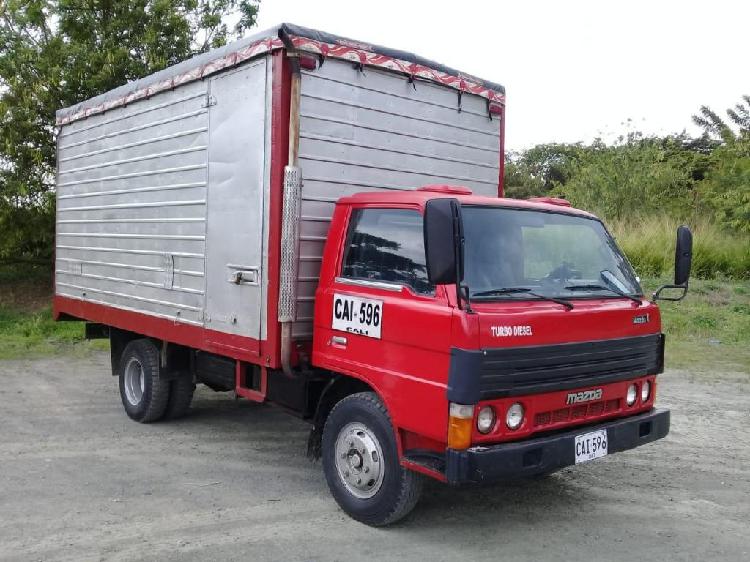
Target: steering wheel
563, 272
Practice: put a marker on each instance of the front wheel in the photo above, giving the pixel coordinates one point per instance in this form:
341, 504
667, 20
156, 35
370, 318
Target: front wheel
360, 461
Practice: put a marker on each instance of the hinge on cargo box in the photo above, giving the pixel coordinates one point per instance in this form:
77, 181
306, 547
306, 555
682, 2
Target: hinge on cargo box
209, 101
359, 67
168, 271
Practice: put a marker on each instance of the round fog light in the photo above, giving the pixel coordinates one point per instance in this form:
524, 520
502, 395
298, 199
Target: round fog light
486, 419
631, 395
514, 417
645, 391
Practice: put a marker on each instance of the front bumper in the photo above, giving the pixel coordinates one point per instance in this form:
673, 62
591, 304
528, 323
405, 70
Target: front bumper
486, 464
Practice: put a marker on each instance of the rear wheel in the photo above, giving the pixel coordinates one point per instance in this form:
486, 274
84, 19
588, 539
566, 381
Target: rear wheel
143, 392
360, 461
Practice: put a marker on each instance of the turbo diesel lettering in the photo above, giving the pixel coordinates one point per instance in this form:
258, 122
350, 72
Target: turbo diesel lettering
584, 396
508, 331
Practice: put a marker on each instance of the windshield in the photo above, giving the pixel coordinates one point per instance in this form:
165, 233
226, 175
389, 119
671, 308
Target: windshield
509, 253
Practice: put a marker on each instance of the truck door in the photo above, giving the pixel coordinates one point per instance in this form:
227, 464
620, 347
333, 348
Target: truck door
236, 179
384, 320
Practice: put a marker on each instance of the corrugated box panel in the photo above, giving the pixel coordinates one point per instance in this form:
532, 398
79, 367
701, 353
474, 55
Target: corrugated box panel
373, 130
131, 206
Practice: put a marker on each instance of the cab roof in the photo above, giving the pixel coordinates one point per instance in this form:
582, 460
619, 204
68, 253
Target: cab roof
419, 197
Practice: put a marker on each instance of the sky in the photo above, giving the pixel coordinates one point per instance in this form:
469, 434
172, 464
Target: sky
573, 70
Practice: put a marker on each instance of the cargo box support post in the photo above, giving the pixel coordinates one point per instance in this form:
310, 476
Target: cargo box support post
290, 214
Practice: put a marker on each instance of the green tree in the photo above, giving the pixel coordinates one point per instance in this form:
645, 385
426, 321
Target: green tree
536, 171
56, 53
715, 127
725, 189
634, 177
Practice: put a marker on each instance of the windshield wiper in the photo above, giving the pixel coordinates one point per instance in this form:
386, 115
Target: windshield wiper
595, 287
514, 290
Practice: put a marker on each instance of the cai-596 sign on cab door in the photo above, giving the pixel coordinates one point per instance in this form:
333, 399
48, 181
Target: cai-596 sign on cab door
357, 315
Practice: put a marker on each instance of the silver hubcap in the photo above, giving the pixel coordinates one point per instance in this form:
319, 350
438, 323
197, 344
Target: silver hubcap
134, 381
359, 460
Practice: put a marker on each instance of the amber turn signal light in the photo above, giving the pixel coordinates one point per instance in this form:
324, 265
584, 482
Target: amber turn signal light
459, 426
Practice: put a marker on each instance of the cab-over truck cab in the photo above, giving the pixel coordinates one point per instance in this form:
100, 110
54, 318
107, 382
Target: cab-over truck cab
498, 338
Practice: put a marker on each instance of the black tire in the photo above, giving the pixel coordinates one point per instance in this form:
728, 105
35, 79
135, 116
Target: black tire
147, 402
181, 391
400, 488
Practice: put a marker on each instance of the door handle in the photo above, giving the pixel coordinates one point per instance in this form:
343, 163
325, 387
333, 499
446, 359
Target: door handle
339, 341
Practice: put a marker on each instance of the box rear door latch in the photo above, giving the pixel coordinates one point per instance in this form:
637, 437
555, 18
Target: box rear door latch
241, 275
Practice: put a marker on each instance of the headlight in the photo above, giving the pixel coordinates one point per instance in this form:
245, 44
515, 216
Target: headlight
486, 419
631, 395
514, 417
645, 391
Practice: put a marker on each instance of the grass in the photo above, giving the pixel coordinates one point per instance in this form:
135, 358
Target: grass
710, 328
649, 245
26, 325
30, 334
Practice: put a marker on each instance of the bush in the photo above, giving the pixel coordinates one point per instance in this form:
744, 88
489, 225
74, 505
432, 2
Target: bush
636, 176
649, 244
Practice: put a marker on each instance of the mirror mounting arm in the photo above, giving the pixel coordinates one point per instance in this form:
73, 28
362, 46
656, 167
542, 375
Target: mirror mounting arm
462, 294
657, 294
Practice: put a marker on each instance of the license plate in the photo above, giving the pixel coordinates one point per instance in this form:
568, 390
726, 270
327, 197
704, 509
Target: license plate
590, 446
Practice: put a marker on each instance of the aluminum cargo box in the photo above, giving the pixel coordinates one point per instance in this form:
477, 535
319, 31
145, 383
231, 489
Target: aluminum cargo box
170, 189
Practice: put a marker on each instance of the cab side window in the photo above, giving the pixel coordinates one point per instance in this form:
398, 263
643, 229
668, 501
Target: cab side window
387, 245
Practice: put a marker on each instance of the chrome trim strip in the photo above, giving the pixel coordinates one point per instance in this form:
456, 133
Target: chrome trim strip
395, 287
131, 266
319, 117
134, 190
198, 94
343, 102
134, 159
128, 251
133, 175
127, 296
359, 85
134, 129
141, 142
135, 205
136, 282
347, 142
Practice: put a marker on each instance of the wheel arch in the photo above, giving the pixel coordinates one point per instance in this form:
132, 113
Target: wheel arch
339, 387
118, 341
173, 357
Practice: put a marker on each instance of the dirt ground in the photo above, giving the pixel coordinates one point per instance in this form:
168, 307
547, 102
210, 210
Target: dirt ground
80, 481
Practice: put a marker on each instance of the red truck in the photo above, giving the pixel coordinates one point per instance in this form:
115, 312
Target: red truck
319, 224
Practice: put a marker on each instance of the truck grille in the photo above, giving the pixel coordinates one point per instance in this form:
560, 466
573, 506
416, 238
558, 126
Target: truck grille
577, 413
532, 369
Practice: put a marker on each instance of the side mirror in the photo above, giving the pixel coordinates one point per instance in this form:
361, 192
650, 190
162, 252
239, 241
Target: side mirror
683, 255
683, 258
442, 241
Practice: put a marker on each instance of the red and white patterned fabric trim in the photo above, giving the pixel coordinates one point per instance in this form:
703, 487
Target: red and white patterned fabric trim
358, 53
198, 73
354, 52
